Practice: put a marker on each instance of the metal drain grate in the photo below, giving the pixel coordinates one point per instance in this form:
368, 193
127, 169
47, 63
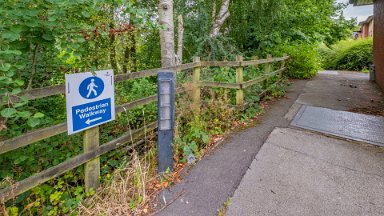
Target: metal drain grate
360, 127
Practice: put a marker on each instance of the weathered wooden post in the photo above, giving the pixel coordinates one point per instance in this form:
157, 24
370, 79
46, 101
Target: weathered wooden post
283, 64
90, 101
255, 58
284, 61
239, 79
196, 88
91, 168
267, 71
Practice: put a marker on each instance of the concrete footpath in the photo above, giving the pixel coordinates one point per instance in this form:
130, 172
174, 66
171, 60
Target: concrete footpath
300, 172
214, 179
275, 169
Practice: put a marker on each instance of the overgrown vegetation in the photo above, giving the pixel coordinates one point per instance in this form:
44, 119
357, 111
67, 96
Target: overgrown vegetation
262, 27
300, 53
40, 41
352, 55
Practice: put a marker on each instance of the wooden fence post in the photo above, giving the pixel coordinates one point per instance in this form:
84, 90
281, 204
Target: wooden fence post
239, 79
267, 71
255, 58
91, 168
196, 88
282, 65
283, 62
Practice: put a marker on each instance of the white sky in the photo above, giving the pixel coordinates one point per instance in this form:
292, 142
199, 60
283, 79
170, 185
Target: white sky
361, 12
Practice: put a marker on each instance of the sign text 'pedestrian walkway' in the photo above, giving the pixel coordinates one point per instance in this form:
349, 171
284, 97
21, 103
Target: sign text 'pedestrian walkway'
90, 100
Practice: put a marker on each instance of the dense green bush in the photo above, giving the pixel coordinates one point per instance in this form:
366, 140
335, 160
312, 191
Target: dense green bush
353, 55
303, 62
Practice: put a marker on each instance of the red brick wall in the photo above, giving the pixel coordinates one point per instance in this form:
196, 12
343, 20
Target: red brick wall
378, 41
364, 30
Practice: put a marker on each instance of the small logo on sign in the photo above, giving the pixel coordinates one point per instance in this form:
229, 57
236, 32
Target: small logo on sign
91, 88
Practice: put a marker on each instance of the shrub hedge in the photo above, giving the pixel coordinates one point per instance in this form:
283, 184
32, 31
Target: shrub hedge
352, 55
304, 59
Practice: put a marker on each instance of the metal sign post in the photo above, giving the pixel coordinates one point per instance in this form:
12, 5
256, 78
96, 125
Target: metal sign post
166, 119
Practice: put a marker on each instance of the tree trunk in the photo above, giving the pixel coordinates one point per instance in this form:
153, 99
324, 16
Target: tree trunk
126, 56
33, 67
214, 10
132, 54
112, 48
220, 18
130, 60
167, 33
112, 40
180, 34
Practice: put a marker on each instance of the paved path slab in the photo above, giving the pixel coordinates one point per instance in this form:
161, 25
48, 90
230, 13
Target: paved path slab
301, 173
354, 126
214, 179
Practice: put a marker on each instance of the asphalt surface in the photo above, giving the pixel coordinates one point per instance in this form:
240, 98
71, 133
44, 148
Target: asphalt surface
214, 179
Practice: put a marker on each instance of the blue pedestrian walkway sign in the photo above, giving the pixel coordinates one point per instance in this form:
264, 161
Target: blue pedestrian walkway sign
90, 100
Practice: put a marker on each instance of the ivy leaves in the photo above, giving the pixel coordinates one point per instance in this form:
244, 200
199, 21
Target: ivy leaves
8, 112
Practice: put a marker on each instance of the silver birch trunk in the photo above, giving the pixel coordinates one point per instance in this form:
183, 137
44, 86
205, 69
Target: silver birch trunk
220, 18
180, 33
167, 36
213, 10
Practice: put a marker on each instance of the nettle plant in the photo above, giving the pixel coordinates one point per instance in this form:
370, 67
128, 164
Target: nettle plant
40, 41
27, 28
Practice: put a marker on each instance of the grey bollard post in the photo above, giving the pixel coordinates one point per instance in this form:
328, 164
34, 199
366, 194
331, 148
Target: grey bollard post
166, 119
372, 75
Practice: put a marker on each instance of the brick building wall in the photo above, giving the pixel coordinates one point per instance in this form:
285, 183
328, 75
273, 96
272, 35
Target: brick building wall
370, 29
378, 41
365, 30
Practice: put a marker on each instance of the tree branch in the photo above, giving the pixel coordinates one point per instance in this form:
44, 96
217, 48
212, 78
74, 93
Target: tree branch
180, 34
33, 67
220, 18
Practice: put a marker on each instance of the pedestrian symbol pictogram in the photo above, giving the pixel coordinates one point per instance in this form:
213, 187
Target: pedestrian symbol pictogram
91, 87
90, 100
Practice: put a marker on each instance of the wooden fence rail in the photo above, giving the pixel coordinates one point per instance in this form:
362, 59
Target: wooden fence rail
240, 85
92, 149
74, 162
